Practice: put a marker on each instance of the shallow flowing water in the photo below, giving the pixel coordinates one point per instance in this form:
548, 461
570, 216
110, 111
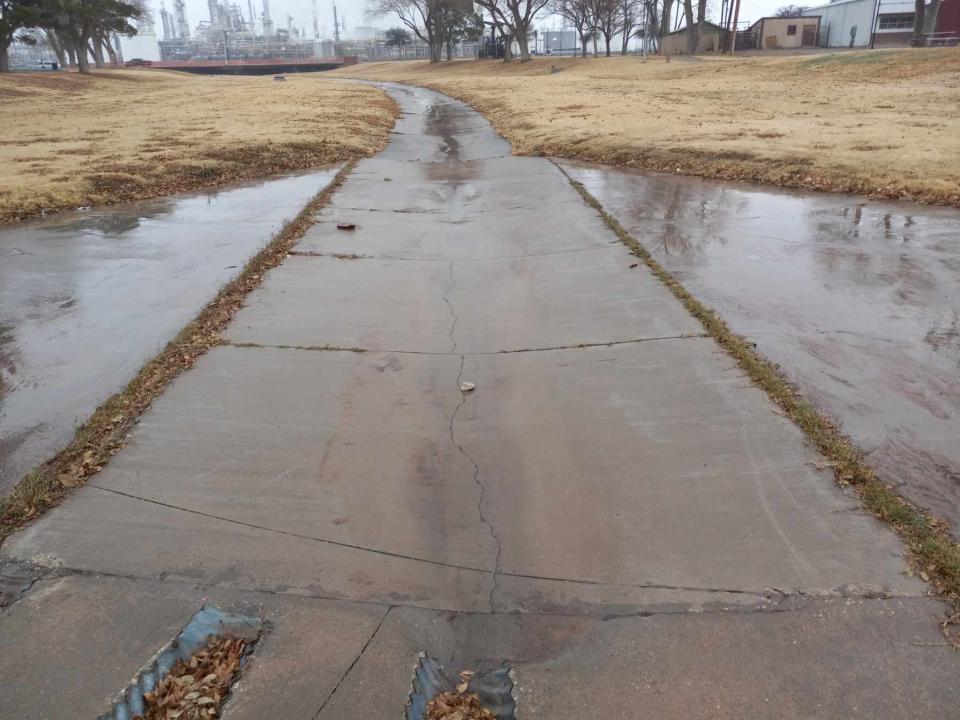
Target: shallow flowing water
858, 300
87, 297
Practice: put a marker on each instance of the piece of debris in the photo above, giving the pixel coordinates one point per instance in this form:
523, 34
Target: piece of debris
281, 78
467, 386
634, 265
346, 226
197, 686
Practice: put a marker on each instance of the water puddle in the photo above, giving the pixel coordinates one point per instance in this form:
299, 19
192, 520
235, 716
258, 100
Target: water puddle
87, 297
858, 300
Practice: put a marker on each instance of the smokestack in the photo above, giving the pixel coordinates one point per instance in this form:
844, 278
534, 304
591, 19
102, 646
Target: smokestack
336, 25
180, 14
253, 29
267, 22
168, 31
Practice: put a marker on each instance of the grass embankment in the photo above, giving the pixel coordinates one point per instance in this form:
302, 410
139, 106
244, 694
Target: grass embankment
872, 122
72, 140
108, 429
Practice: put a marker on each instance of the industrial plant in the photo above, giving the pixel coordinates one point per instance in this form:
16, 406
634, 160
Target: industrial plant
229, 34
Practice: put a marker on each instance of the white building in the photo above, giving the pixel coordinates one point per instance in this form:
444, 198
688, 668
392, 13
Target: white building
848, 23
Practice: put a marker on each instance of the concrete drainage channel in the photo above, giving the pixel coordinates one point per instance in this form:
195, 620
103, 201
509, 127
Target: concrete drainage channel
493, 690
209, 621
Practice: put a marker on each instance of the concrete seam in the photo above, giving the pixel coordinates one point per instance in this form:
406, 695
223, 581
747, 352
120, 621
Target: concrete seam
516, 351
780, 606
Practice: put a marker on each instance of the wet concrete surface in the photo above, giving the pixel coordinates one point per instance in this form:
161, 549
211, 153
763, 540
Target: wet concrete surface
858, 300
87, 297
614, 510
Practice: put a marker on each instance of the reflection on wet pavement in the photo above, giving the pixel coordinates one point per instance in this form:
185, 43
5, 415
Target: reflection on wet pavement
87, 297
858, 301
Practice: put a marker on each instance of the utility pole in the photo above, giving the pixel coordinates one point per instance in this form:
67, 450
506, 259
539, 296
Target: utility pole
336, 25
226, 53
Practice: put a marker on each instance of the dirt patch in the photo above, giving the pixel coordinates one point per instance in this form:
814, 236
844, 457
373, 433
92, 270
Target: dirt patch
196, 688
172, 132
108, 429
758, 119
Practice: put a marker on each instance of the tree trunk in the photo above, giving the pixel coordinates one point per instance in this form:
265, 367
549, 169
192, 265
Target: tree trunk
57, 48
83, 59
918, 23
595, 53
606, 39
583, 45
507, 48
693, 33
4, 58
111, 53
665, 22
524, 44
449, 50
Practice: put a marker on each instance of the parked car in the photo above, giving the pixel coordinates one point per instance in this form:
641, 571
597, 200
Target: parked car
137, 62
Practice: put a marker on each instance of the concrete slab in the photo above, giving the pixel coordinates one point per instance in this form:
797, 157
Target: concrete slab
836, 658
588, 461
489, 306
73, 643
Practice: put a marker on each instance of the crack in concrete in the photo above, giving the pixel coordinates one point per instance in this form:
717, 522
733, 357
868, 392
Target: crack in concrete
495, 575
354, 663
550, 348
453, 315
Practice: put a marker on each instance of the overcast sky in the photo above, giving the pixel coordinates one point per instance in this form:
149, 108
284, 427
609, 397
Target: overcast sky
352, 12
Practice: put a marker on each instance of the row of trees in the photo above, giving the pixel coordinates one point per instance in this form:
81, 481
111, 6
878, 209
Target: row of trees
443, 23
76, 29
608, 19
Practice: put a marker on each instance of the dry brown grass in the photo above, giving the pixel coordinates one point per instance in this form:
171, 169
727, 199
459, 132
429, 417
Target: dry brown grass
878, 123
70, 140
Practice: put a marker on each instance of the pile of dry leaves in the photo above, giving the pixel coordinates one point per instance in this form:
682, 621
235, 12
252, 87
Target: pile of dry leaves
195, 688
459, 705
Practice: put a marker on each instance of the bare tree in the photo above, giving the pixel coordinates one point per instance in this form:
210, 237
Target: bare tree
418, 15
607, 20
516, 16
631, 20
577, 12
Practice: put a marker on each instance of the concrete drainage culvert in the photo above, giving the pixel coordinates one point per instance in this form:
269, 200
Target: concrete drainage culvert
190, 678
441, 694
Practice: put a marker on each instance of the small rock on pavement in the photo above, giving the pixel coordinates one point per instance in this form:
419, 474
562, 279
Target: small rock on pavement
467, 386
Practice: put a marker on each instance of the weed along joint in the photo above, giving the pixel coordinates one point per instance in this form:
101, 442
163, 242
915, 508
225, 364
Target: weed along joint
465, 360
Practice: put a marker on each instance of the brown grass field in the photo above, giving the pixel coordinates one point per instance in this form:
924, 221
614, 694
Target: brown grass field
882, 123
71, 140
